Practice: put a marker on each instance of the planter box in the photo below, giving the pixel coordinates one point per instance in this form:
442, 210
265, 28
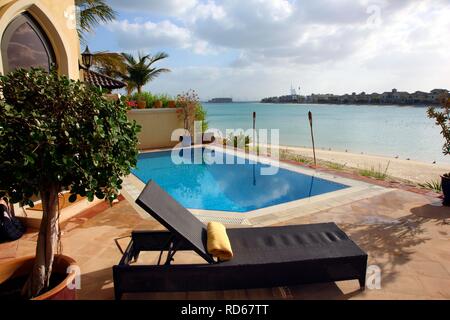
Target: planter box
32, 219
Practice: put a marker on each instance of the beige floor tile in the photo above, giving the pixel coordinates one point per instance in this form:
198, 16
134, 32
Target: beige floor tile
436, 287
401, 232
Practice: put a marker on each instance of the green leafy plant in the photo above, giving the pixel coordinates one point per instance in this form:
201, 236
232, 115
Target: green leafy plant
442, 118
56, 134
436, 186
200, 115
144, 96
378, 174
150, 99
92, 13
164, 98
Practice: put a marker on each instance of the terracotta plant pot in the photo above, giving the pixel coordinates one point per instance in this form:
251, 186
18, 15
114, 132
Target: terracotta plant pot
142, 104
171, 104
446, 189
158, 104
21, 268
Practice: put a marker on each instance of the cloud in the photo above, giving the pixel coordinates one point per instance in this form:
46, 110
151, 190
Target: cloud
134, 35
166, 7
328, 45
138, 36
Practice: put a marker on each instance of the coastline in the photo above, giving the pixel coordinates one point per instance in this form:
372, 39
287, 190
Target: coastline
413, 171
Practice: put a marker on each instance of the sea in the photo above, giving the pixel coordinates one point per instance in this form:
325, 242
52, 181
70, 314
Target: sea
387, 130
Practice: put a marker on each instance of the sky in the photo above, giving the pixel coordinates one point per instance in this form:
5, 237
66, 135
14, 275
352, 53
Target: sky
251, 49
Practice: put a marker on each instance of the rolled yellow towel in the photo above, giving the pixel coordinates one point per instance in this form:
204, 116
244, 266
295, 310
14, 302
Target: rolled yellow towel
218, 243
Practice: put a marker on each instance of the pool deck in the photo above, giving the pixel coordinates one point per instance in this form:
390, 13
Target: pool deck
404, 230
406, 234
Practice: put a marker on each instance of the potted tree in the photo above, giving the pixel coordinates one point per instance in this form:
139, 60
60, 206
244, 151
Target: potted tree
58, 134
442, 118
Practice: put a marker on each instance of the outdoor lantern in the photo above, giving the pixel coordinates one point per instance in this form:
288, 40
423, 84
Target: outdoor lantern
87, 58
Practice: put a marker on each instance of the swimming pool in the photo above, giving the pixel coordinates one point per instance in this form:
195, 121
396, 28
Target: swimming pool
228, 187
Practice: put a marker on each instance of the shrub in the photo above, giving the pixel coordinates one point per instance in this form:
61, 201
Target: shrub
150, 99
442, 118
200, 115
199, 112
56, 134
144, 96
187, 104
164, 98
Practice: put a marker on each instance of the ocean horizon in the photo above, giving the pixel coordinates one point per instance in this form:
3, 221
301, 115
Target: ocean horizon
386, 130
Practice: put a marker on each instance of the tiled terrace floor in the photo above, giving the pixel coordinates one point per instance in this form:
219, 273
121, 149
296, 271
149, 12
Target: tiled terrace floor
404, 233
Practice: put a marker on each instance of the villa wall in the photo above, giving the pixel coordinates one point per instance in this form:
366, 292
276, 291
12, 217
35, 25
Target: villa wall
157, 126
57, 19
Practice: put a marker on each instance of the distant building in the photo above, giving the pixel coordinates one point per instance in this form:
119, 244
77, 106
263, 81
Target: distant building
221, 100
391, 97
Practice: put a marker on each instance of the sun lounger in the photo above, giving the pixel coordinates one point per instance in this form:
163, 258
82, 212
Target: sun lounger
263, 257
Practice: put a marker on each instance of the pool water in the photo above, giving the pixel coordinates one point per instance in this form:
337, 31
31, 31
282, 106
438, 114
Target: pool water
228, 187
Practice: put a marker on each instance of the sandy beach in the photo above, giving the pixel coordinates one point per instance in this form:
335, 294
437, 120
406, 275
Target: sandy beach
414, 171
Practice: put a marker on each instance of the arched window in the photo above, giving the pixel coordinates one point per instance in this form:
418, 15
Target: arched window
24, 45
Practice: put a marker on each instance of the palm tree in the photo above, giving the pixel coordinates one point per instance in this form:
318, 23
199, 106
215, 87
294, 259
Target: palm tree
92, 13
111, 64
140, 71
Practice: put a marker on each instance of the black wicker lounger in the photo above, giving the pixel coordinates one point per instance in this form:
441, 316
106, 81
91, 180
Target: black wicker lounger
263, 257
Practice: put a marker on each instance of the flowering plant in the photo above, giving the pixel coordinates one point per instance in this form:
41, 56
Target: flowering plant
187, 103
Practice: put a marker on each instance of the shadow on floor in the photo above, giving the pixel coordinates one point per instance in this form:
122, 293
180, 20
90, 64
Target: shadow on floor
98, 285
390, 245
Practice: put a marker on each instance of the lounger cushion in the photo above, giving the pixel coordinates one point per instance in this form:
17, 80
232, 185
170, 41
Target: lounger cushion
290, 243
218, 242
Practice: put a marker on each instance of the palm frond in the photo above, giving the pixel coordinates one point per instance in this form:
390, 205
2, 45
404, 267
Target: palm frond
157, 57
129, 58
155, 73
110, 63
140, 71
92, 13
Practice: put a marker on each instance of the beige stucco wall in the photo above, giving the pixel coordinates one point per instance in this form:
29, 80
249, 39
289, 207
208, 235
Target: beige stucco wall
157, 126
57, 19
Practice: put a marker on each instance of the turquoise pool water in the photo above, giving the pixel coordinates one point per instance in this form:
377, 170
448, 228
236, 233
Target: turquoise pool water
228, 187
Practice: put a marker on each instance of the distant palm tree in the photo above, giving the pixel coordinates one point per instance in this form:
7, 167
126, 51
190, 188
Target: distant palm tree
140, 71
110, 63
92, 13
